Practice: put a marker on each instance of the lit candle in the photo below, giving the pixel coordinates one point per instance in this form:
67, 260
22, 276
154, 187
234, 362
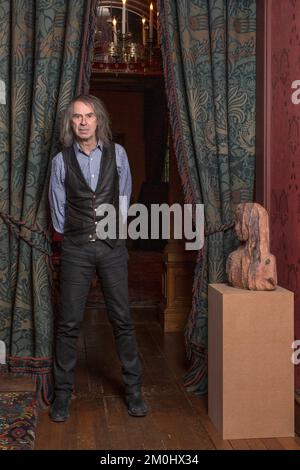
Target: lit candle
144, 32
115, 31
124, 17
151, 23
158, 37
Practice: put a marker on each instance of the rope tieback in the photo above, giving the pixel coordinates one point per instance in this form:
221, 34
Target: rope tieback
15, 226
219, 228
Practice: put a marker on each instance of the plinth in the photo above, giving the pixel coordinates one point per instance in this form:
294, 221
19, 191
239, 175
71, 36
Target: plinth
250, 371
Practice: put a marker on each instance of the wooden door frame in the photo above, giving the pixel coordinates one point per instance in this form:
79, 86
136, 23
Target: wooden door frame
262, 192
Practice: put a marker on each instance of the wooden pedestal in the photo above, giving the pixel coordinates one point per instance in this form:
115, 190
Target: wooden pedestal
250, 372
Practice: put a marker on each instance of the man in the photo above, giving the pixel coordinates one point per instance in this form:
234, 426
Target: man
91, 171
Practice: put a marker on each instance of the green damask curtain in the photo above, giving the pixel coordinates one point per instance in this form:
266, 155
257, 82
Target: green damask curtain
45, 50
209, 61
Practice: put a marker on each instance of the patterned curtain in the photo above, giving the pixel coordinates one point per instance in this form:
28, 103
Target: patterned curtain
45, 52
208, 50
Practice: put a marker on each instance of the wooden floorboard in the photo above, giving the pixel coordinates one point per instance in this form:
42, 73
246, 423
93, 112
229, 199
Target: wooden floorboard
13, 383
199, 404
289, 443
272, 444
177, 420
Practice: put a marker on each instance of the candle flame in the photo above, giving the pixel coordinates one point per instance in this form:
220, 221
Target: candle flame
144, 20
114, 21
124, 1
151, 6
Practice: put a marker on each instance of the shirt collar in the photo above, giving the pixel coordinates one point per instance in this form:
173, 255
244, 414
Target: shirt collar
78, 149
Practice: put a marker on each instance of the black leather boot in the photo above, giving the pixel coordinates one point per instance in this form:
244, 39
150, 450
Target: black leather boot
135, 404
59, 410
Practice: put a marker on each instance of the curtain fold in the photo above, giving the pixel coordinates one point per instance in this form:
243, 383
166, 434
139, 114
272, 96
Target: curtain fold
208, 51
45, 51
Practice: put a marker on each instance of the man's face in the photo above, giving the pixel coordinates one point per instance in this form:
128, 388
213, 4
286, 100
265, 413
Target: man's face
84, 121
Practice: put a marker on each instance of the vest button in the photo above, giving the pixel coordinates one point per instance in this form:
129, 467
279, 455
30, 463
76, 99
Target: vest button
90, 236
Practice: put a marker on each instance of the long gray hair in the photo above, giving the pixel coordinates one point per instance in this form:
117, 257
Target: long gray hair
103, 131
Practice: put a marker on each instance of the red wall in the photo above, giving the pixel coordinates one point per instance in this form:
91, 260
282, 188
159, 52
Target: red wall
284, 148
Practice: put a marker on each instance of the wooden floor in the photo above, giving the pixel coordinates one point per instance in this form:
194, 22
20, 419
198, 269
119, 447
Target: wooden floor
99, 419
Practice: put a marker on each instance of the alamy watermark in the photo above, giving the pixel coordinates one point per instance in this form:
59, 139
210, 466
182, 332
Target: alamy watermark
295, 97
161, 221
2, 353
296, 354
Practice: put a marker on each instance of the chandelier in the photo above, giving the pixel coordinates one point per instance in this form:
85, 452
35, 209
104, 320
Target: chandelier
125, 40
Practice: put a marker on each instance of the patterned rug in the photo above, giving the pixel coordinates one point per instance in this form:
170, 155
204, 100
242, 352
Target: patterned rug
18, 418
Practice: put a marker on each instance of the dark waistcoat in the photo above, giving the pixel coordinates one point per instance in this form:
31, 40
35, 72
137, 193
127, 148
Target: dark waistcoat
82, 201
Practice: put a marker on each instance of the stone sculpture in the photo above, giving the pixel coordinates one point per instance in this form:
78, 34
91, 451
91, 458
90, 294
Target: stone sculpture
252, 266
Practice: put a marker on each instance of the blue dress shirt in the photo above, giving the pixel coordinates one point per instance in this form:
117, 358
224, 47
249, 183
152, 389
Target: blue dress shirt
90, 167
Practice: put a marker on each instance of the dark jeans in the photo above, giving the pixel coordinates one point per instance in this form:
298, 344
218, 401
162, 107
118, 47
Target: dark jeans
78, 267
